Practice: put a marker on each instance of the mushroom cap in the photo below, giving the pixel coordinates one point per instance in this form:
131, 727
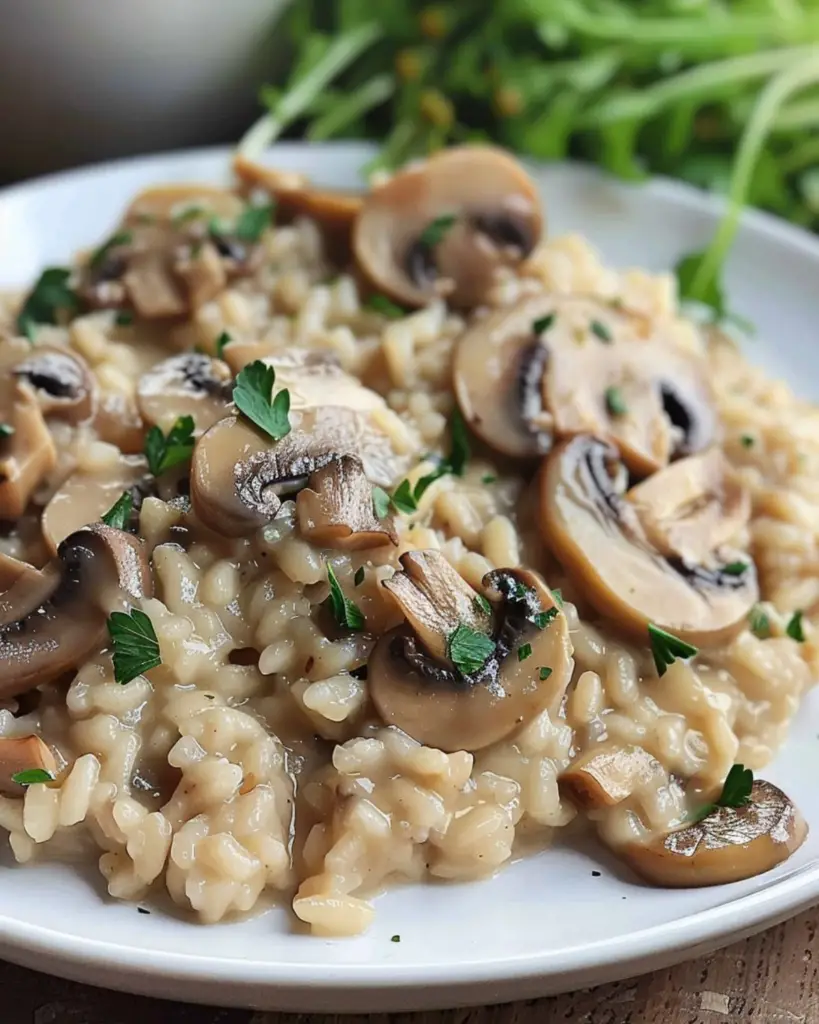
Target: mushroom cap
191, 384
606, 775
498, 223
727, 845
60, 381
519, 389
163, 203
84, 497
596, 534
19, 754
437, 706
27, 456
97, 567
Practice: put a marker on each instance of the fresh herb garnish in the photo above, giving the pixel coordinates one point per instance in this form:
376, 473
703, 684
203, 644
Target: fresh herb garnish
124, 318
557, 594
543, 323
524, 652
358, 579
49, 296
6, 430
31, 776
481, 605
222, 341
601, 331
545, 673
163, 452
746, 440
794, 627
253, 395
488, 478
734, 568
381, 502
435, 231
666, 648
542, 619
395, 938
119, 514
346, 612
469, 649
404, 499
192, 212
98, 255
615, 403
736, 792
253, 221
136, 648
386, 307
460, 451
759, 623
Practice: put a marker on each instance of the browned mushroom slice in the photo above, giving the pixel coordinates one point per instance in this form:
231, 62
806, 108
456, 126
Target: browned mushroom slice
84, 497
96, 568
693, 507
335, 510
23, 586
202, 271
118, 422
479, 203
729, 844
605, 776
596, 534
180, 202
152, 286
191, 384
422, 691
20, 754
26, 456
61, 382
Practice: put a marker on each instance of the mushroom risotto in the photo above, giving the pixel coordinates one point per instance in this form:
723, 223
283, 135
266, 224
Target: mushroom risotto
351, 540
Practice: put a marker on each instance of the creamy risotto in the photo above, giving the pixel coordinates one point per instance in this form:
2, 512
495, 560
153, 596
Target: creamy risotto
356, 540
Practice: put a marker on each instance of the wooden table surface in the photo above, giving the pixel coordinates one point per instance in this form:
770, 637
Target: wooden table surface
770, 979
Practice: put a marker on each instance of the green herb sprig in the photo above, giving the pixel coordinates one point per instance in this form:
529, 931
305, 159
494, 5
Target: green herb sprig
345, 612
119, 514
253, 396
135, 644
666, 648
49, 297
469, 649
736, 792
32, 776
164, 451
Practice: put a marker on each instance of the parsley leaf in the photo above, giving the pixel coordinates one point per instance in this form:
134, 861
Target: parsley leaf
381, 502
435, 231
404, 499
545, 673
746, 440
734, 568
49, 296
488, 478
31, 776
346, 612
543, 323
615, 403
461, 451
794, 627
386, 307
98, 255
481, 605
253, 396
759, 623
136, 648
736, 790
557, 594
686, 271
358, 579
253, 221
524, 652
124, 318
6, 430
164, 452
119, 514
395, 938
666, 648
542, 619
192, 212
222, 341
601, 331
469, 649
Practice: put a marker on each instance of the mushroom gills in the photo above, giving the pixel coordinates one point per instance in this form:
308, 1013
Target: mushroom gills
191, 384
61, 383
727, 845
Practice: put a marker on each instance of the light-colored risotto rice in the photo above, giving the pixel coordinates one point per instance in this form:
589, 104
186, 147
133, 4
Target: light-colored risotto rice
262, 757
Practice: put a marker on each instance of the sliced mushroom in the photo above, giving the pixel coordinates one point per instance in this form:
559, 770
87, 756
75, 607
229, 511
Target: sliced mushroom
26, 456
96, 569
551, 366
605, 776
415, 685
191, 384
84, 497
497, 221
61, 382
23, 586
335, 510
152, 286
596, 533
20, 754
729, 844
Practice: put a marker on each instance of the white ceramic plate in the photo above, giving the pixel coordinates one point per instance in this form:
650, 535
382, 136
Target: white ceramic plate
545, 924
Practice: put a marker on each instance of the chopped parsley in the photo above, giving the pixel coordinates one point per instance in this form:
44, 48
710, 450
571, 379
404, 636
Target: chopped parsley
543, 323
557, 594
6, 430
222, 342
386, 307
469, 649
395, 938
615, 403
736, 792
524, 652
601, 331
734, 568
163, 452
481, 605
433, 234
124, 318
488, 478
346, 612
545, 672
136, 648
460, 450
794, 627
31, 776
119, 514
49, 296
746, 440
759, 623
542, 619
405, 498
98, 256
253, 221
253, 395
381, 502
358, 579
666, 648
